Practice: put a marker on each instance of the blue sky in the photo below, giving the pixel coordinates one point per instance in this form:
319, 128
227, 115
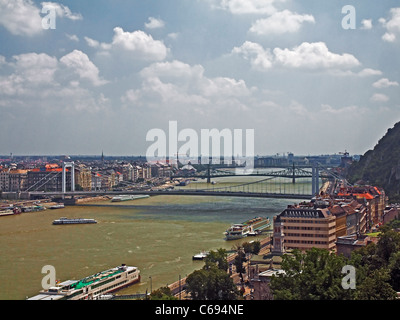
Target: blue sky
113, 70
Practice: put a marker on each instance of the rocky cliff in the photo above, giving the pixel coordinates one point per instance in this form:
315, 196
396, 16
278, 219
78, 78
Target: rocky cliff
381, 166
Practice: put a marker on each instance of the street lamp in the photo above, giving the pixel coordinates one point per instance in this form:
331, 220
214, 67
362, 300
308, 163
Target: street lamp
151, 284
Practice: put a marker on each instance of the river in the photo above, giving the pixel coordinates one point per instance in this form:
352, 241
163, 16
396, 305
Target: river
159, 235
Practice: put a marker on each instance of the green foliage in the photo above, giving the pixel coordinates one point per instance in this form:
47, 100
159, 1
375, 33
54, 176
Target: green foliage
253, 247
311, 275
163, 293
239, 260
217, 258
317, 273
212, 282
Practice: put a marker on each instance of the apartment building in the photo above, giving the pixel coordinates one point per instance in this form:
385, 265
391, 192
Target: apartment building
302, 227
83, 177
13, 180
374, 197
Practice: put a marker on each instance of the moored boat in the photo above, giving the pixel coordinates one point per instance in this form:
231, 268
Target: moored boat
237, 231
8, 212
252, 227
92, 287
129, 197
200, 256
57, 206
65, 220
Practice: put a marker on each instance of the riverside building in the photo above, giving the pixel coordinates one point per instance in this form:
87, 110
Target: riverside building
304, 227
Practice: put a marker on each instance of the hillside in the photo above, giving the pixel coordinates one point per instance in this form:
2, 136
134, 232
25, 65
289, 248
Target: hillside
381, 166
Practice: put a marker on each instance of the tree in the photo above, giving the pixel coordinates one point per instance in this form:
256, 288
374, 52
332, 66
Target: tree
378, 267
252, 247
388, 244
211, 284
238, 262
312, 275
163, 293
218, 258
376, 287
394, 269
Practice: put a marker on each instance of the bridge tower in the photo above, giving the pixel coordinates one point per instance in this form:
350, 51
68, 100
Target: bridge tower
315, 179
294, 175
66, 165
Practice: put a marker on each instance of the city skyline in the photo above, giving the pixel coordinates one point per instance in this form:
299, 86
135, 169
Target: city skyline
309, 78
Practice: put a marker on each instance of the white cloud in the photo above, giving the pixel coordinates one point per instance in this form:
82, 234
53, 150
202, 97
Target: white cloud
378, 97
307, 55
80, 63
173, 35
141, 45
392, 26
389, 37
281, 22
72, 37
42, 83
259, 57
20, 17
366, 24
313, 55
63, 11
96, 44
179, 85
23, 17
369, 72
384, 83
347, 110
248, 6
31, 71
366, 72
154, 23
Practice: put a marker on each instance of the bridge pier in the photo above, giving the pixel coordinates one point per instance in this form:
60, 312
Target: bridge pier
294, 176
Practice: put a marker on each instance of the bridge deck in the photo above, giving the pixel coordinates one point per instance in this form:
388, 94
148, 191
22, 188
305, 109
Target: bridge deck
180, 192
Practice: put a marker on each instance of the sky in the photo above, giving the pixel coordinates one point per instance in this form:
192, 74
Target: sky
86, 77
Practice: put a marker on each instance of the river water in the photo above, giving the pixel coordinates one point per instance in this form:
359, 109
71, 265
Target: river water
159, 235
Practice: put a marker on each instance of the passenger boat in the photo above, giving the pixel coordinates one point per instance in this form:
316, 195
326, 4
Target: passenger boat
32, 208
57, 206
237, 231
250, 227
8, 212
92, 287
64, 220
129, 197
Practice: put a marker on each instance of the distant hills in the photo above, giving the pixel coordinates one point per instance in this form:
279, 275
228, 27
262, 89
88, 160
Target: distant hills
380, 166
